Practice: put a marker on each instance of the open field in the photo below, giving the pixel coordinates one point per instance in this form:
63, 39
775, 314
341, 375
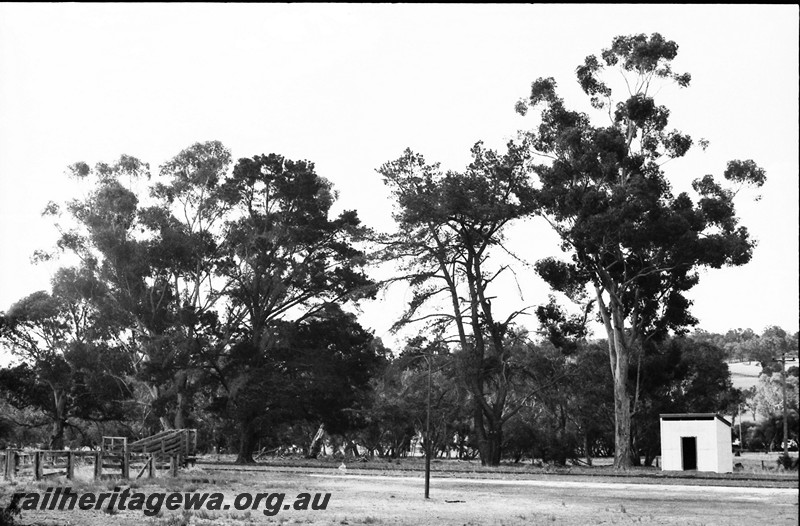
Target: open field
744, 374
459, 495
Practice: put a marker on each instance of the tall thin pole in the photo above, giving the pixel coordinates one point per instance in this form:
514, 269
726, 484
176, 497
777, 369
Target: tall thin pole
785, 414
741, 436
428, 436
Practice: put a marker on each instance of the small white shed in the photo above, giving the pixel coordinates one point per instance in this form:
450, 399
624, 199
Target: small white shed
696, 441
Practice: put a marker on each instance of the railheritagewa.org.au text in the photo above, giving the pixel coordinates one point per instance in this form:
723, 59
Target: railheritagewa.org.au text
64, 499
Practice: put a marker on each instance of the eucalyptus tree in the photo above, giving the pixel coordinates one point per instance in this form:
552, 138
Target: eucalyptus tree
186, 224
449, 226
67, 368
153, 246
602, 187
285, 261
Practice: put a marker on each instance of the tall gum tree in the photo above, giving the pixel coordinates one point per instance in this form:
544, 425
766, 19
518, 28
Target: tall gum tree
631, 241
285, 260
449, 224
67, 369
153, 245
101, 228
186, 232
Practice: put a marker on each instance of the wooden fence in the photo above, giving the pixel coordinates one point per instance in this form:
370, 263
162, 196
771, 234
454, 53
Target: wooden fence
174, 442
167, 450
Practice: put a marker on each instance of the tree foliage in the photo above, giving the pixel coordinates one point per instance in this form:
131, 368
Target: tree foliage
213, 294
448, 225
153, 246
636, 244
679, 375
67, 368
206, 279
284, 261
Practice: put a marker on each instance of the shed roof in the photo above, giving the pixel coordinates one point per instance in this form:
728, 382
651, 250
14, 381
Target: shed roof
694, 416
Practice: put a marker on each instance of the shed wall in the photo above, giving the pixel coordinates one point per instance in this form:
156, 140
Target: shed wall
724, 448
713, 444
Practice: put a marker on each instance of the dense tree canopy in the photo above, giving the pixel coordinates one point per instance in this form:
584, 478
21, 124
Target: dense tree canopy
448, 226
68, 368
153, 246
284, 260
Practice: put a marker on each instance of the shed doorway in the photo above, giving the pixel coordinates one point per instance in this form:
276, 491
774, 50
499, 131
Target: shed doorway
689, 453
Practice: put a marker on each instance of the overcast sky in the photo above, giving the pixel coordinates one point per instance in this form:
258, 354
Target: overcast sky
350, 86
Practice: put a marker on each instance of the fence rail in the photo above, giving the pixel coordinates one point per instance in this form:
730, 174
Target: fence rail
169, 449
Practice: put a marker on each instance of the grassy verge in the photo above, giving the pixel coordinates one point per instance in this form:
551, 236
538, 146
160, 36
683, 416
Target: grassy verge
356, 500
456, 468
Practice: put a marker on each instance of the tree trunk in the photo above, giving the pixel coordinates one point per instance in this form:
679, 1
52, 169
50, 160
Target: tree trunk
480, 432
623, 458
619, 356
180, 418
57, 438
586, 449
561, 450
247, 444
490, 437
60, 403
182, 402
316, 442
495, 443
155, 394
351, 447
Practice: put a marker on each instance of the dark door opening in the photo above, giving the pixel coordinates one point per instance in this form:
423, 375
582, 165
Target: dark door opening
689, 452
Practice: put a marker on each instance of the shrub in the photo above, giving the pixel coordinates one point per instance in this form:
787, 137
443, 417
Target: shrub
787, 461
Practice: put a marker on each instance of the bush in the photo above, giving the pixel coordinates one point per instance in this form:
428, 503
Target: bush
788, 462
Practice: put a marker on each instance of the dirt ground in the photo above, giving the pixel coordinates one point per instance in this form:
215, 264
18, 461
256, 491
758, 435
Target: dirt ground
361, 496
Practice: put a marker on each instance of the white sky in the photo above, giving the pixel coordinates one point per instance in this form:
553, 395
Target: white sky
350, 86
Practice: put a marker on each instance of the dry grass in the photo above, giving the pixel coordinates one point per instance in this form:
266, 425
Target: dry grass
463, 496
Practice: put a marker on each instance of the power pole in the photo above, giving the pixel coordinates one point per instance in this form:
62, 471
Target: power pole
785, 413
428, 433
741, 436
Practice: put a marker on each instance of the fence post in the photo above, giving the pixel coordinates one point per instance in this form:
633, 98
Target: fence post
70, 465
126, 463
173, 466
151, 466
98, 464
38, 471
8, 468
